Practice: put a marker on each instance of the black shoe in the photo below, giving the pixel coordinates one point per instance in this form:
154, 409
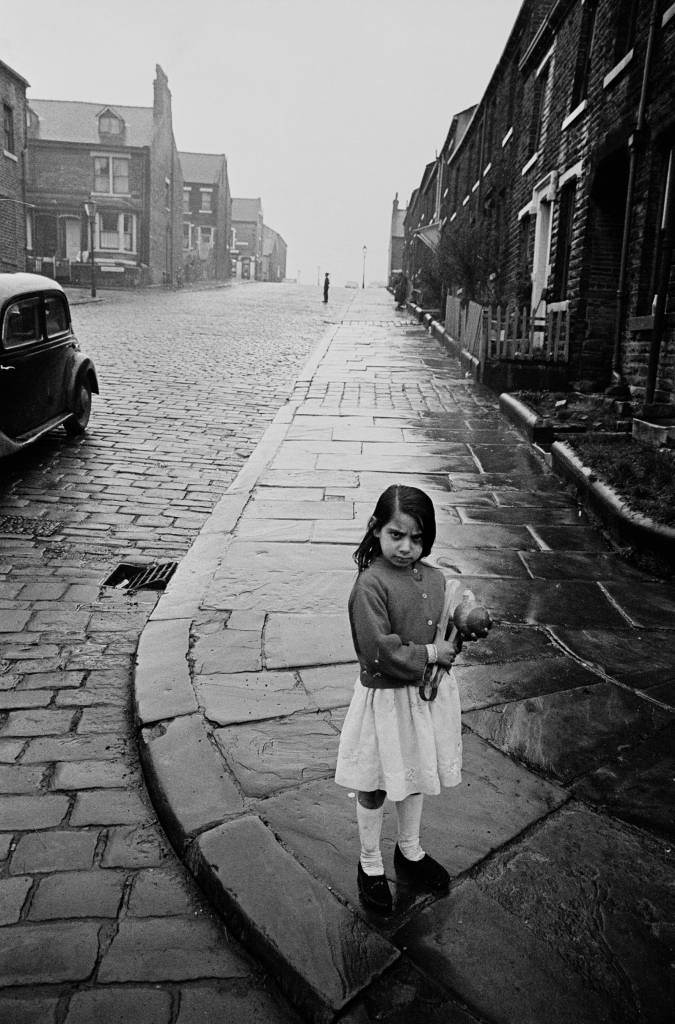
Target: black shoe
426, 874
374, 891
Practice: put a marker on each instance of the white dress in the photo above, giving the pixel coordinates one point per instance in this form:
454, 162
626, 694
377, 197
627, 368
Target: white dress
394, 740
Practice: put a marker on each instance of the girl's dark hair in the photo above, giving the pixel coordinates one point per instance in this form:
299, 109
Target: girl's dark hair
397, 498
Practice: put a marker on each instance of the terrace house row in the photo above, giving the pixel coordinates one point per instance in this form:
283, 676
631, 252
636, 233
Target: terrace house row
108, 175
559, 194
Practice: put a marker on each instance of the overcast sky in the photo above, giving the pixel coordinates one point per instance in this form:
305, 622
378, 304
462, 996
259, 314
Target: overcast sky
324, 110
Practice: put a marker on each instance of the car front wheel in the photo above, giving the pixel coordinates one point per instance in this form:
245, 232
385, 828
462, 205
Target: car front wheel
77, 423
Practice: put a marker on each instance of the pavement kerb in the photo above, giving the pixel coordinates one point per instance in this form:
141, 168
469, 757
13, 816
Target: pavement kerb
627, 526
200, 806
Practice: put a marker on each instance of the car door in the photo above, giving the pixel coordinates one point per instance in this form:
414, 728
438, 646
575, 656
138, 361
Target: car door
31, 370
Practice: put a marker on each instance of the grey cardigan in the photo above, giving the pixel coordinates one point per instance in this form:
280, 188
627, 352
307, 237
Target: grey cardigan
393, 614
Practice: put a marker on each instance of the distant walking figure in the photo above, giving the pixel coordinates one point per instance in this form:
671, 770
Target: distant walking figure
326, 286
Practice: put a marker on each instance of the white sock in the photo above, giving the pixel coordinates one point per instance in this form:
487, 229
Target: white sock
409, 813
370, 826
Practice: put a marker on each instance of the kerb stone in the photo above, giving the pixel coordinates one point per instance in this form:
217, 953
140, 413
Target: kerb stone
320, 953
190, 784
162, 687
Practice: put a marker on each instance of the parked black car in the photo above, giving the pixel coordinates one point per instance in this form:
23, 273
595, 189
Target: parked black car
45, 379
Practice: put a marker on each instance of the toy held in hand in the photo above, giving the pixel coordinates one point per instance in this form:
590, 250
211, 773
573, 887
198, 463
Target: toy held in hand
470, 621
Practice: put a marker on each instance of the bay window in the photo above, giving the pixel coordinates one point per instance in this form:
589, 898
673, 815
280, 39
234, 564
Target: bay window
116, 231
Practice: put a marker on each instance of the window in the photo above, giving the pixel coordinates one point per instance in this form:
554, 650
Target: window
626, 12
8, 128
187, 235
205, 200
186, 200
541, 101
56, 315
117, 231
22, 323
564, 240
206, 234
108, 124
583, 63
111, 175
120, 176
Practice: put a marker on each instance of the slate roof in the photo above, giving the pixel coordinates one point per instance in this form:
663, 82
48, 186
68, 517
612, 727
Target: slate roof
201, 168
76, 121
246, 209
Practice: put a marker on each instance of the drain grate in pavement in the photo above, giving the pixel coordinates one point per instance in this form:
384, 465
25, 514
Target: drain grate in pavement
29, 527
130, 577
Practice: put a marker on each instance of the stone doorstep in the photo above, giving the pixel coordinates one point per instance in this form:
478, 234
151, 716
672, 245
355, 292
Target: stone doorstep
319, 952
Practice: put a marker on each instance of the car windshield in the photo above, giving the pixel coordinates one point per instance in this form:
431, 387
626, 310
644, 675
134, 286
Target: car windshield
22, 323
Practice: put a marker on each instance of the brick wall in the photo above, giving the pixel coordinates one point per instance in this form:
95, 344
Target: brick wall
12, 173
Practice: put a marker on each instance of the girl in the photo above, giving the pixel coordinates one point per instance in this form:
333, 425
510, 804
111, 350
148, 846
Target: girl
395, 744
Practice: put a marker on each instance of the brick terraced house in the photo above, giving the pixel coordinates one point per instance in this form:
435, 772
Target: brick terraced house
559, 196
112, 171
12, 170
247, 238
206, 216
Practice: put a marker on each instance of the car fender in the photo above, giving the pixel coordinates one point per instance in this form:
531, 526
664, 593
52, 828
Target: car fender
81, 368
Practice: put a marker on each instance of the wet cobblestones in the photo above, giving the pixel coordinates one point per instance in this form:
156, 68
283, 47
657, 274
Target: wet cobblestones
91, 896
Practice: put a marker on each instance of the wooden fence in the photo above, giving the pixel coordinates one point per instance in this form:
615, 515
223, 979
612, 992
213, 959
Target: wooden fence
506, 332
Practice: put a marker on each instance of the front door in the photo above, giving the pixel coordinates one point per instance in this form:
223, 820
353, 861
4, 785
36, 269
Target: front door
73, 237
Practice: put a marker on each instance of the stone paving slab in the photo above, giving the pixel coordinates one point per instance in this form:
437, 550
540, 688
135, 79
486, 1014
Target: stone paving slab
637, 786
580, 912
280, 753
296, 640
484, 686
320, 953
292, 591
640, 659
570, 733
497, 800
496, 965
231, 699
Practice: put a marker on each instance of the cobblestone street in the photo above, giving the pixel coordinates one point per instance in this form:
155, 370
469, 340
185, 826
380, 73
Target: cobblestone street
101, 921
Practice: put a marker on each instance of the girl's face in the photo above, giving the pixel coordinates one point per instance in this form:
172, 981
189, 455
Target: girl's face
400, 540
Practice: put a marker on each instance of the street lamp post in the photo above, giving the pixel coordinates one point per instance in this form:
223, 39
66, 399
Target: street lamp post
90, 210
363, 279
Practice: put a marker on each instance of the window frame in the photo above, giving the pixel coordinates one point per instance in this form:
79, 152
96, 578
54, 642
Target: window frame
112, 176
8, 345
120, 232
59, 300
8, 132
